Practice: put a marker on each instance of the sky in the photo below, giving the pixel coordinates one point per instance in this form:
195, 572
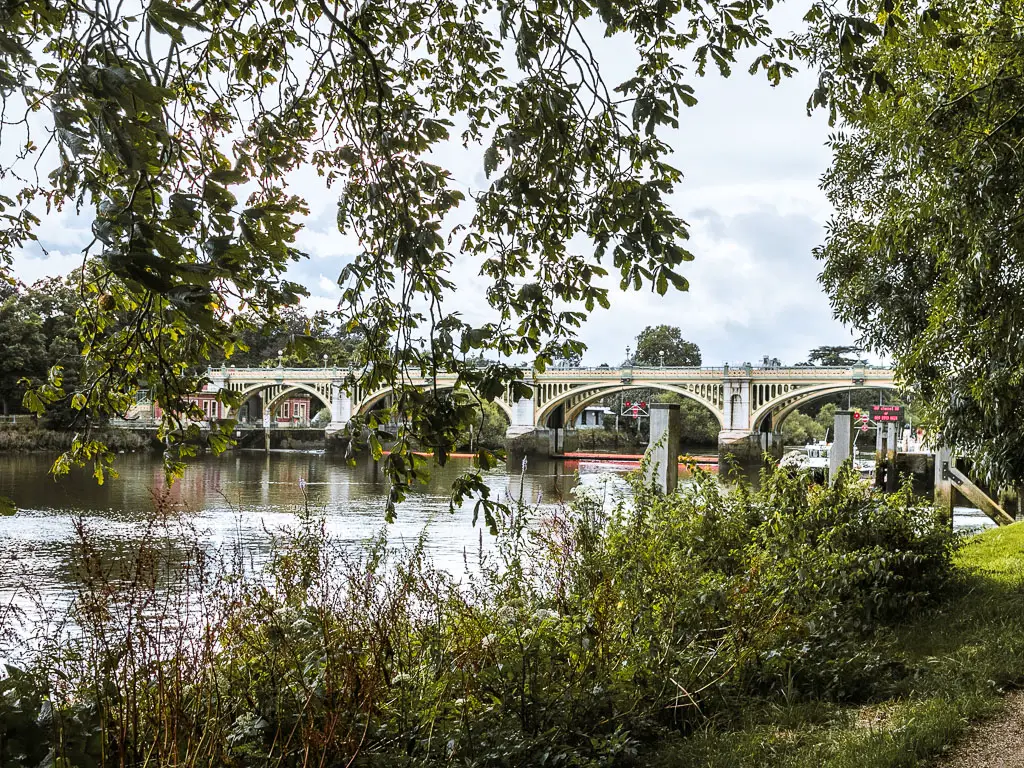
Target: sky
751, 158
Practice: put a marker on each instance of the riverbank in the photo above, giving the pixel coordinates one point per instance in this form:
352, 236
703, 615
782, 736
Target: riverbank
957, 662
30, 437
583, 637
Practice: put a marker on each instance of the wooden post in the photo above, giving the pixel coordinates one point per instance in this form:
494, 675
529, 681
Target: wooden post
891, 476
266, 428
965, 486
881, 458
663, 451
943, 484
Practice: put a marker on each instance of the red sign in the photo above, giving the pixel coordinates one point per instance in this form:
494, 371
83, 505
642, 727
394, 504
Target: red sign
887, 414
863, 427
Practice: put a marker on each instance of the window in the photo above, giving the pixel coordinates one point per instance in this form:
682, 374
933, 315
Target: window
284, 410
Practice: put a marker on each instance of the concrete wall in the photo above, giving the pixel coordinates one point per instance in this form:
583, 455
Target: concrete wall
744, 447
663, 454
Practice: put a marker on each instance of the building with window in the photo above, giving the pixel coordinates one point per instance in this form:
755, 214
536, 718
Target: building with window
592, 417
295, 410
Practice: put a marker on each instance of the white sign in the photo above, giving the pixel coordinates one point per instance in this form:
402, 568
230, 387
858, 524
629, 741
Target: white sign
266, 421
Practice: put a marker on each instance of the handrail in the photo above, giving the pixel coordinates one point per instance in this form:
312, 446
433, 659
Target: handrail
794, 370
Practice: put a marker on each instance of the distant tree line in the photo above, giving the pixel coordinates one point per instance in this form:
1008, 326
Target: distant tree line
39, 330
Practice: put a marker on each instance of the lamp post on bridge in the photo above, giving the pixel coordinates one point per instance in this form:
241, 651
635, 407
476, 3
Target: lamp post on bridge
280, 358
325, 361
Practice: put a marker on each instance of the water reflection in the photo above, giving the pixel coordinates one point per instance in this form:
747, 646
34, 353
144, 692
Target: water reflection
238, 500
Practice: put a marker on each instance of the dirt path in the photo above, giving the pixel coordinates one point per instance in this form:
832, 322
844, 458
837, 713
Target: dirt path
998, 743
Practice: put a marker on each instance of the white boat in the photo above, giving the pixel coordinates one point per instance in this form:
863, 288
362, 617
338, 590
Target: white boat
817, 454
815, 457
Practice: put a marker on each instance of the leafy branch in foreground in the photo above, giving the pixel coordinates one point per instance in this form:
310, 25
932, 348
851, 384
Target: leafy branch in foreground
178, 130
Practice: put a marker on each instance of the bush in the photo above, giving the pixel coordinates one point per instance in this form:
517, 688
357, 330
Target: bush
490, 426
584, 637
28, 437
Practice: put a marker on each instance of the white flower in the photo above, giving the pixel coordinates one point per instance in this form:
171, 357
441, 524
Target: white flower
543, 614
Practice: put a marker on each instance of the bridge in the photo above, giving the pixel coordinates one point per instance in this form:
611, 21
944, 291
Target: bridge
749, 402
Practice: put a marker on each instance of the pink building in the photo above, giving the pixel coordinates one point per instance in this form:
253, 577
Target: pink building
292, 411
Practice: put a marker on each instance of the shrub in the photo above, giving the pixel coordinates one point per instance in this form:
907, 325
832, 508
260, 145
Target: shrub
29, 437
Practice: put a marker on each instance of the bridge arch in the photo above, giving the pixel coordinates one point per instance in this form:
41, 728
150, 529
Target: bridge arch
781, 409
367, 402
286, 388
580, 397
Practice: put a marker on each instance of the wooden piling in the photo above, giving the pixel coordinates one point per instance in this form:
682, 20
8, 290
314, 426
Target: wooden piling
842, 443
943, 484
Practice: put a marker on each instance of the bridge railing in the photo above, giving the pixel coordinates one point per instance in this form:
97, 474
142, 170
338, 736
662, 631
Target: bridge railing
231, 370
334, 372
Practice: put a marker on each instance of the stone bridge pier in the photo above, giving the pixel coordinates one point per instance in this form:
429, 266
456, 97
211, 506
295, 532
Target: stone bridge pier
341, 408
737, 438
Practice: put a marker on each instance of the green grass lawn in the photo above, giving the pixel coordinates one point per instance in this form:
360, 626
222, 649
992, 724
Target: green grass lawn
958, 660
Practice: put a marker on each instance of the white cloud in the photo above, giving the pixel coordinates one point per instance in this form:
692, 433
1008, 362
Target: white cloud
328, 287
32, 265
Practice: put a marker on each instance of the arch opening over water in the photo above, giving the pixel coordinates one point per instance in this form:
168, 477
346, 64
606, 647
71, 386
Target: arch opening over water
282, 391
570, 404
771, 417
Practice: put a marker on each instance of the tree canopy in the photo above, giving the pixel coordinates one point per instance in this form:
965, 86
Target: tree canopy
832, 355
925, 252
654, 340
298, 340
23, 344
176, 129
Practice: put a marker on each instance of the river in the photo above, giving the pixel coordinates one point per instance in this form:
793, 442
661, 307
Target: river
240, 497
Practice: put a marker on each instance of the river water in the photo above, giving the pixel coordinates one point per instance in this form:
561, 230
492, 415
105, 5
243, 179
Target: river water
239, 498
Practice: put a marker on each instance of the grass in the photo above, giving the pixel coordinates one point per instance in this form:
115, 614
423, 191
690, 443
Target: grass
960, 657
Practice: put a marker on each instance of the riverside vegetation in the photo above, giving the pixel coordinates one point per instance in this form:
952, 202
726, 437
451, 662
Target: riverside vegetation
700, 628
29, 437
